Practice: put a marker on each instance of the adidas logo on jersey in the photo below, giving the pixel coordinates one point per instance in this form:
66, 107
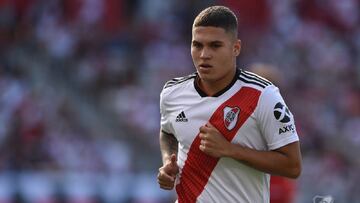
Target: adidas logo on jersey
181, 117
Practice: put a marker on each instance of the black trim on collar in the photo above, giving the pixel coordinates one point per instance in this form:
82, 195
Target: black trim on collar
198, 89
203, 94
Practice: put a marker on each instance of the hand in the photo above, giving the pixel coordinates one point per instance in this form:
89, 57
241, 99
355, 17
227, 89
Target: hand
167, 173
213, 142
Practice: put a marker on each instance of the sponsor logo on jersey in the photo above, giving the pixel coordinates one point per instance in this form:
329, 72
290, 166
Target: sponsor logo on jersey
282, 113
231, 115
287, 128
181, 117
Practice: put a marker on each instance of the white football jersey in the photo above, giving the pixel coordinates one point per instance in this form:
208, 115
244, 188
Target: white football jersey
250, 112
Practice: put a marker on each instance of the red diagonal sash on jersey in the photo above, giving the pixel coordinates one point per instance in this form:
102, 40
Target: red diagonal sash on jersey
199, 166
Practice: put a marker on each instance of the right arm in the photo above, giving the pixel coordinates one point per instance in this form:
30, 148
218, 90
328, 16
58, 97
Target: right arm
167, 173
168, 145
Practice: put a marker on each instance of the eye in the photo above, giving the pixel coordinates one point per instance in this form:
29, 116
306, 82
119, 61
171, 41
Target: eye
216, 45
197, 45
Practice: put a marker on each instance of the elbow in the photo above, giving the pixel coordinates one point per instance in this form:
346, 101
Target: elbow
295, 171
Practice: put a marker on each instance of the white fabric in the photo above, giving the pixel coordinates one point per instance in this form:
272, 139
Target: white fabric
230, 181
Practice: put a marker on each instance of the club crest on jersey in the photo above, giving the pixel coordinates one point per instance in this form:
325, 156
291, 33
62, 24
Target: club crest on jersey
231, 115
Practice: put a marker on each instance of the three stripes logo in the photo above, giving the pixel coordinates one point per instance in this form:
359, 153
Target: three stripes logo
252, 78
181, 117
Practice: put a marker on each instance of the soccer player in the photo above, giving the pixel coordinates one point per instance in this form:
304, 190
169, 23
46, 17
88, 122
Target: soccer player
223, 129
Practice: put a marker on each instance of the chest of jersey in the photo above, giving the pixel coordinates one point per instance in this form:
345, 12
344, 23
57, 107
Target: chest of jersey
234, 119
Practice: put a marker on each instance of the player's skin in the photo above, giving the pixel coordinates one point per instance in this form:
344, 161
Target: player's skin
169, 170
214, 53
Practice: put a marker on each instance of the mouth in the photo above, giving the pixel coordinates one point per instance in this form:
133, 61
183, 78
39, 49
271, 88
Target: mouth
205, 66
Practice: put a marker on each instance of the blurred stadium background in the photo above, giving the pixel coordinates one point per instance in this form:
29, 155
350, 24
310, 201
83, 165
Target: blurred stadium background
80, 83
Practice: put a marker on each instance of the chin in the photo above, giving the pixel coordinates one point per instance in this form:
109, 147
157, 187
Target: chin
206, 77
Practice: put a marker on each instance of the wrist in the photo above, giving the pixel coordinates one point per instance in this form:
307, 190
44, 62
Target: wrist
234, 151
229, 151
166, 159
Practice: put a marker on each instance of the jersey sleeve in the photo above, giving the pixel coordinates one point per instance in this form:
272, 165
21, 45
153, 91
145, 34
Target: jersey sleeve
276, 122
164, 114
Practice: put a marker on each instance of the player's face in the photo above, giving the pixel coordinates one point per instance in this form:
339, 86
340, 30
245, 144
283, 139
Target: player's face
214, 52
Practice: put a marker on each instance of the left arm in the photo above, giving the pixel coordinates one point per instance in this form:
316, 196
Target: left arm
284, 161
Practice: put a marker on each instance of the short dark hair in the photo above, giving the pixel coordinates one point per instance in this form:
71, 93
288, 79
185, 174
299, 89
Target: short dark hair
218, 16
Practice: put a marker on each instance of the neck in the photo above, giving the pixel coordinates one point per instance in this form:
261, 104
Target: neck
213, 87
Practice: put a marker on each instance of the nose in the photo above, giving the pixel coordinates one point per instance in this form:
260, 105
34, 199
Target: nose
205, 53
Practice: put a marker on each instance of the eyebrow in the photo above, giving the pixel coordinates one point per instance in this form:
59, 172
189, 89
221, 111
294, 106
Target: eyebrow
195, 42
212, 42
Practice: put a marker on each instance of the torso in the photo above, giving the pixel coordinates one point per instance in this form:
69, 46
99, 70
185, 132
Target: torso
187, 108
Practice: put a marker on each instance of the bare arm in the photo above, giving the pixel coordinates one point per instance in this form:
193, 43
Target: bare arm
168, 145
285, 161
167, 173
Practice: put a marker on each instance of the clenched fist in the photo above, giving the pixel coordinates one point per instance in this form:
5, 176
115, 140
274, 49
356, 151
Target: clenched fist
167, 173
213, 142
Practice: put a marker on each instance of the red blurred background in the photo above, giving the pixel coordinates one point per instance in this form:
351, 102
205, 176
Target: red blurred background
80, 83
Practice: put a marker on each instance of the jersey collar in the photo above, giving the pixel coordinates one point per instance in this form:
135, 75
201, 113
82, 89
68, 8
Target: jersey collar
203, 94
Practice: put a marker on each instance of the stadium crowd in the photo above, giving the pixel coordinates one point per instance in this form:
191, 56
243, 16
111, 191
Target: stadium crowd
80, 83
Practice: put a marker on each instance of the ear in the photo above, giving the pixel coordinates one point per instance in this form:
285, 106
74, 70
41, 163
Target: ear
237, 47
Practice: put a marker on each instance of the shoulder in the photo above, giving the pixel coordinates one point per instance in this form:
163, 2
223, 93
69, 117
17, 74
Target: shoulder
176, 86
269, 93
179, 80
253, 80
270, 97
